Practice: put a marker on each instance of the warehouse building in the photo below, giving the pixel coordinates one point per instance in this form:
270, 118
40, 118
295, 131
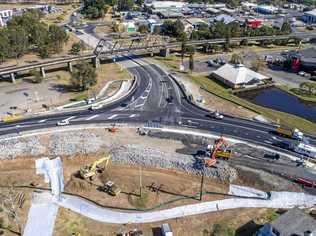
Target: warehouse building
5, 15
309, 17
265, 9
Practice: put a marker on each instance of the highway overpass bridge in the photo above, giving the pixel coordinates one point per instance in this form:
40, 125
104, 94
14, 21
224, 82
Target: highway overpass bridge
107, 49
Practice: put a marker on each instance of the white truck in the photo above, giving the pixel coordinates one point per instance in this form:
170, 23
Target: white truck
305, 149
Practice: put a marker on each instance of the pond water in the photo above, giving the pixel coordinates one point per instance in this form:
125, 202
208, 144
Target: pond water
282, 101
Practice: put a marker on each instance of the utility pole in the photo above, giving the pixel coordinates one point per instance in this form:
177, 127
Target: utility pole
202, 182
140, 182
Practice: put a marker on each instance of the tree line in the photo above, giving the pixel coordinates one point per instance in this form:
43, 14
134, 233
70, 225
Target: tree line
27, 33
221, 30
94, 9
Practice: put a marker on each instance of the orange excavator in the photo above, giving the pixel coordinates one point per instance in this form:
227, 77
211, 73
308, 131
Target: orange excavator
219, 149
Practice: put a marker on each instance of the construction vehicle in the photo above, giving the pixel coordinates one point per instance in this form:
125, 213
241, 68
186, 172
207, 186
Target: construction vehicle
218, 150
89, 171
113, 129
12, 118
290, 133
111, 188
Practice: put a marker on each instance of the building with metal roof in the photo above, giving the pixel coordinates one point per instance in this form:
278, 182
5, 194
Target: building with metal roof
293, 222
237, 76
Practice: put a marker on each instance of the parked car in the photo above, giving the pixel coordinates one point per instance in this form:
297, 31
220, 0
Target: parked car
301, 73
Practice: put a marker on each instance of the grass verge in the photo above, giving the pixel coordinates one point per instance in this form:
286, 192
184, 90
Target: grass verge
296, 92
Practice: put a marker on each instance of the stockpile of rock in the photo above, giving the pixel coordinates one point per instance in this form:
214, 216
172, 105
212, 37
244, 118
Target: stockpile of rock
12, 148
150, 157
72, 143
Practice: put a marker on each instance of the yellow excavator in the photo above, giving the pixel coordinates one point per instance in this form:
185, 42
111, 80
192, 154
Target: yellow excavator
89, 171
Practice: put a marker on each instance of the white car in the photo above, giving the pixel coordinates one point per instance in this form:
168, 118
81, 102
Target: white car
301, 73
63, 123
95, 107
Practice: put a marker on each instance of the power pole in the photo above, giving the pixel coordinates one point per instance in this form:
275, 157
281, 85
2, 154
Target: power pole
140, 182
201, 187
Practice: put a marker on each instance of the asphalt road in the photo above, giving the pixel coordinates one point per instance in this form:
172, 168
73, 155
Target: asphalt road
156, 98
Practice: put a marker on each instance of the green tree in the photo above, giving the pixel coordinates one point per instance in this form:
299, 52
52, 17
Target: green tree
191, 62
308, 87
77, 47
173, 28
93, 12
257, 64
83, 77
157, 29
43, 50
4, 45
18, 41
143, 29
236, 59
37, 77
286, 28
58, 37
222, 229
125, 5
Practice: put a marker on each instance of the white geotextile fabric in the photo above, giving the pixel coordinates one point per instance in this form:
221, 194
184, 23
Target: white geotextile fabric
277, 200
244, 191
53, 173
41, 216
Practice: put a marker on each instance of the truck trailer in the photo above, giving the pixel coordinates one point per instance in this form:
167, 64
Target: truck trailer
290, 133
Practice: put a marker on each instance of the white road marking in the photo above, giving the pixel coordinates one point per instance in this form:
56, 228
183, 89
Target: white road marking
140, 105
133, 115
267, 141
228, 124
112, 116
42, 121
92, 117
69, 118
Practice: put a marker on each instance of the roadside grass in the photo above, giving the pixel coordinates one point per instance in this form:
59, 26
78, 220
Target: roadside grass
220, 90
79, 97
298, 93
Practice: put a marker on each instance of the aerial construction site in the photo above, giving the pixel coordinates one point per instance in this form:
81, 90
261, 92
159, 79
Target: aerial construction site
144, 170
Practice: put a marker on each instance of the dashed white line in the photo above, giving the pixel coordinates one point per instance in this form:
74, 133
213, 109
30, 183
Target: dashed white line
92, 117
112, 116
133, 115
42, 121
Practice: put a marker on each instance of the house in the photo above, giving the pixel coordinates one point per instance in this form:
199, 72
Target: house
266, 9
253, 23
248, 5
227, 10
152, 24
293, 222
158, 5
237, 76
5, 15
225, 18
129, 26
309, 17
169, 13
195, 22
